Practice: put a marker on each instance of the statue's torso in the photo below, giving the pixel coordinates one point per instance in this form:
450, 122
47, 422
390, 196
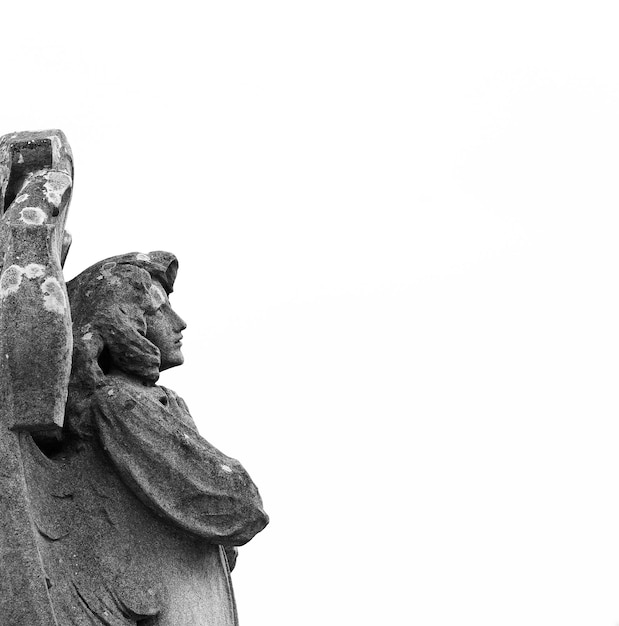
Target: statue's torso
110, 558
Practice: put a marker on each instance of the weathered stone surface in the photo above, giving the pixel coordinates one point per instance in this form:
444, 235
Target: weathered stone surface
35, 326
35, 350
128, 516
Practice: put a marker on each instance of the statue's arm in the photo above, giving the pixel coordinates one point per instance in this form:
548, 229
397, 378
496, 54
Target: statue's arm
174, 471
180, 406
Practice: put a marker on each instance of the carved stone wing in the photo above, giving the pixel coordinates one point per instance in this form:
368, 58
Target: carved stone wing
36, 174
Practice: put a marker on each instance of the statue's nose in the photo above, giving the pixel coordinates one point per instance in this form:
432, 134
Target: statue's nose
180, 323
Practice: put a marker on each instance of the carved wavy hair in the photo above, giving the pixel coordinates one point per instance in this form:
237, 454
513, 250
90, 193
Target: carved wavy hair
109, 304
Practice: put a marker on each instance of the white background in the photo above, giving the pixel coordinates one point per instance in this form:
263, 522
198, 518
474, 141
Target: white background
397, 225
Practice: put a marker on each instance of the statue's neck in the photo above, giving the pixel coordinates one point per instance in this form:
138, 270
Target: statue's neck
136, 380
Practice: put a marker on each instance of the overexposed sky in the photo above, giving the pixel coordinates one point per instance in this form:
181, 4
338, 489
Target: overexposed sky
398, 226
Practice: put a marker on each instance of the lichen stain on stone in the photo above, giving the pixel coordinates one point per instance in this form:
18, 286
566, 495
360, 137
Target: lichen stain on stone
142, 257
56, 185
34, 270
106, 272
157, 295
12, 277
22, 198
226, 468
53, 296
87, 336
33, 215
55, 148
10, 280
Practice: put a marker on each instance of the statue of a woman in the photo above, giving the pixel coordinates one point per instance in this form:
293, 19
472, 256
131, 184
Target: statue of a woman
137, 514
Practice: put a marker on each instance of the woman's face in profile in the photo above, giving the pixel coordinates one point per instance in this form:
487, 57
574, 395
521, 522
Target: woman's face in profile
164, 328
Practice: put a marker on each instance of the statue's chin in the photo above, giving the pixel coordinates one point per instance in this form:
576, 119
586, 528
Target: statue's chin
173, 361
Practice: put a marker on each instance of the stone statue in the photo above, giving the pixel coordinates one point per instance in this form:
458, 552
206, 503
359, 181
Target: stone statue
114, 509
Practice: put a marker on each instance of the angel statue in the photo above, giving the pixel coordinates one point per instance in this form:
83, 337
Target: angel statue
116, 512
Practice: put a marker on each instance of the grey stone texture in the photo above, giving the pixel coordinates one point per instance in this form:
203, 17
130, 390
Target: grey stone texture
114, 509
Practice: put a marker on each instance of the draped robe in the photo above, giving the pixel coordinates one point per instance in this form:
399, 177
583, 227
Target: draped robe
136, 519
